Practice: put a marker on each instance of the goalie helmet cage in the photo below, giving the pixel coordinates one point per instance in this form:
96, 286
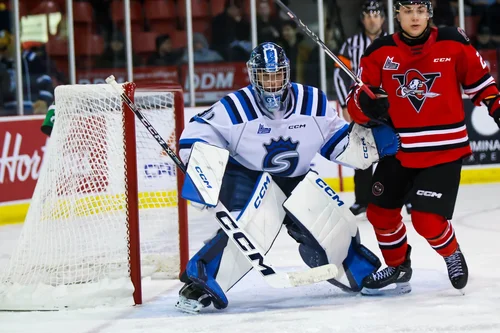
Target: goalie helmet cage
106, 211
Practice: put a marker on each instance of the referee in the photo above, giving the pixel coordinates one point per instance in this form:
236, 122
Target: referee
372, 17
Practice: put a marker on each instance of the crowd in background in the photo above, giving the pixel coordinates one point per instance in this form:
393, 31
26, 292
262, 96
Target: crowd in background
222, 34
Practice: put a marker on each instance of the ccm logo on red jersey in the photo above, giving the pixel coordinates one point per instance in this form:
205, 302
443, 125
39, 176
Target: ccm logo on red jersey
442, 59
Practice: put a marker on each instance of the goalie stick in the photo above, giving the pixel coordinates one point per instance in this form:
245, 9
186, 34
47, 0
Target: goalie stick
325, 48
250, 249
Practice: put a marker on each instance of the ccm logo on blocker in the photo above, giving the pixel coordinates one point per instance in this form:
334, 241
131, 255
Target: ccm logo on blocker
202, 176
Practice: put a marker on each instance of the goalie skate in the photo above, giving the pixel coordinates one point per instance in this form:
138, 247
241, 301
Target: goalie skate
188, 305
192, 299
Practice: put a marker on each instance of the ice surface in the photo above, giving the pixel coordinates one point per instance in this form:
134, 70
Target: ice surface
433, 305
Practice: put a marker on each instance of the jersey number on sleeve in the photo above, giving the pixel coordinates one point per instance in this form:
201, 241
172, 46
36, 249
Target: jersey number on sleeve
483, 63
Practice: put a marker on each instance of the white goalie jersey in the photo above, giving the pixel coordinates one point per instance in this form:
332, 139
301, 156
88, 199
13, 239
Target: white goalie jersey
283, 147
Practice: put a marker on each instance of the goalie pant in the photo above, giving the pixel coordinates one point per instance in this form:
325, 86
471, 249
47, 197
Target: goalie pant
262, 204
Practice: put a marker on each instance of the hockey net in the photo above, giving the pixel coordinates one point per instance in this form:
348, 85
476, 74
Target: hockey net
102, 176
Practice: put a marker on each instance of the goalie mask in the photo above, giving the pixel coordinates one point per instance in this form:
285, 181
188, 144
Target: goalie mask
269, 72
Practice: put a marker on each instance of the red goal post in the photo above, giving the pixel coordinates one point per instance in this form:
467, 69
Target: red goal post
130, 126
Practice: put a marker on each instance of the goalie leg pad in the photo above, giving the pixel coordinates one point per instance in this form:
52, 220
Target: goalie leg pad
326, 229
261, 218
360, 263
219, 265
202, 269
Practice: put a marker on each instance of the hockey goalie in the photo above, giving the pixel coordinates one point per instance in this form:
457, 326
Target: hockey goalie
251, 151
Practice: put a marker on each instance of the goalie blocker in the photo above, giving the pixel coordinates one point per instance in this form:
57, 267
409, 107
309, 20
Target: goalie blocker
270, 203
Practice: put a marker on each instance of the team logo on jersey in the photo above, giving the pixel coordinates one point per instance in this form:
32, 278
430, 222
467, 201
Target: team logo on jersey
263, 129
282, 157
416, 87
390, 64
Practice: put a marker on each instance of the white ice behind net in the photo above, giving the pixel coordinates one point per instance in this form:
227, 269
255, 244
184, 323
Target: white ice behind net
73, 250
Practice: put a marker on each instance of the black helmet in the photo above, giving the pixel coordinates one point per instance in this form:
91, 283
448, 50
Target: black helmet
427, 3
269, 60
372, 7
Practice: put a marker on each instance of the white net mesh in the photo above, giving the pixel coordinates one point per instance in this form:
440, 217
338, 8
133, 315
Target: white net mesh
73, 250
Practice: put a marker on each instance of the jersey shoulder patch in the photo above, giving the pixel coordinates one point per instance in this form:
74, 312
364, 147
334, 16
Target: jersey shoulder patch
240, 106
310, 101
454, 34
378, 43
204, 116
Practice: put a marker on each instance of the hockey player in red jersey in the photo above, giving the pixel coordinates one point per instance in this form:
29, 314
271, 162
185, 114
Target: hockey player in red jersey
417, 74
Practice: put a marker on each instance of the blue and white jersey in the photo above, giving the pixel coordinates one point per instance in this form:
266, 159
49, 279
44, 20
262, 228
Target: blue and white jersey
283, 147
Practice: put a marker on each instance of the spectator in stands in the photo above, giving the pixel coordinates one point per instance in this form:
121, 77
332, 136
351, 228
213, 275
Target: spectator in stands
484, 40
201, 52
443, 13
297, 50
494, 19
267, 29
165, 54
6, 69
482, 8
114, 55
38, 87
231, 32
312, 70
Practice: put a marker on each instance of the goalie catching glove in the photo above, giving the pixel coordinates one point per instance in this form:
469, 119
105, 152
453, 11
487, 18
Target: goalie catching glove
367, 145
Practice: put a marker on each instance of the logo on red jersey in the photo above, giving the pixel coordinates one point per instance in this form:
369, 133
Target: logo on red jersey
416, 87
390, 64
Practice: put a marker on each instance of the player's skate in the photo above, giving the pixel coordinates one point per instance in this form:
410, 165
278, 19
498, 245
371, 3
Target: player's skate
457, 270
192, 299
382, 282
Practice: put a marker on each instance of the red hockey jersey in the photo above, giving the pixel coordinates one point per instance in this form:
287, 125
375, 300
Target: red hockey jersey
424, 83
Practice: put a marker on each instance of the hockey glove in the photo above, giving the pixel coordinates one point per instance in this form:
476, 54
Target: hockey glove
493, 104
376, 109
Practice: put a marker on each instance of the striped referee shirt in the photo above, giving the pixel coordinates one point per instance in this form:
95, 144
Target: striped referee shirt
350, 52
